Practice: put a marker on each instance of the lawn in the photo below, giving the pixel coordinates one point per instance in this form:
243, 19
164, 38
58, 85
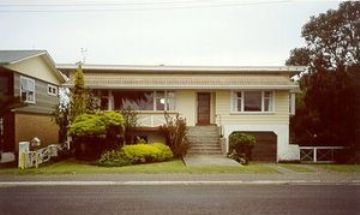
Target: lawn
345, 168
174, 166
299, 168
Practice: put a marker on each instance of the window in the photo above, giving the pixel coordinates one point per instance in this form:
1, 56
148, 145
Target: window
170, 100
144, 100
52, 90
268, 103
253, 101
160, 100
27, 89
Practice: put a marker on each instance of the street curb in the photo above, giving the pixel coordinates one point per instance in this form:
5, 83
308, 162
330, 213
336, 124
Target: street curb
158, 183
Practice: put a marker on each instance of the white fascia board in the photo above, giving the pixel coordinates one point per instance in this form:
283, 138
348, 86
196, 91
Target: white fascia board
209, 69
195, 87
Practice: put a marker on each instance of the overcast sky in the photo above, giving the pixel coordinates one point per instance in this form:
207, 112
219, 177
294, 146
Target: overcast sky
153, 32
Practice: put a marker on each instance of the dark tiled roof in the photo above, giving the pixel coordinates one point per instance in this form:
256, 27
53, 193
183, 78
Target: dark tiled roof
9, 56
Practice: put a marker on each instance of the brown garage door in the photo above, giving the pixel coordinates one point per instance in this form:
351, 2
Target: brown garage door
265, 147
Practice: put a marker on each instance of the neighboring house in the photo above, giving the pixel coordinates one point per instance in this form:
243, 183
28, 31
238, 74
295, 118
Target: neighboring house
32, 76
227, 99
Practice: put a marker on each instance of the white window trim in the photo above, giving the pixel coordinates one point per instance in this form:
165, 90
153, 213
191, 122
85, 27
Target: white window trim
32, 80
234, 98
166, 109
53, 87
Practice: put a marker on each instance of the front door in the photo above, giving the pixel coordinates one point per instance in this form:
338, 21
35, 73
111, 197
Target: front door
203, 116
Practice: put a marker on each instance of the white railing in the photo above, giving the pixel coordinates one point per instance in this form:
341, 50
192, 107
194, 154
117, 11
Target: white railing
318, 154
28, 159
152, 119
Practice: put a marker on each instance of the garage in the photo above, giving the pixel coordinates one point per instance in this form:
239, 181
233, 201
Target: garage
265, 147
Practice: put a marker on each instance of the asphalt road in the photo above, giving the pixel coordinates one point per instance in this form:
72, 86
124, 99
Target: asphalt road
181, 199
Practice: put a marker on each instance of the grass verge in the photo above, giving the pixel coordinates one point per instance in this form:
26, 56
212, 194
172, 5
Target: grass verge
297, 168
345, 168
173, 166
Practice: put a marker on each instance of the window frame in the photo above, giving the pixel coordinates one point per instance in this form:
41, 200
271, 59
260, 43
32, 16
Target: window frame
235, 99
51, 86
166, 103
21, 91
155, 98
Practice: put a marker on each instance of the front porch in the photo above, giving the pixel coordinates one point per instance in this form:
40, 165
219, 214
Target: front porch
198, 107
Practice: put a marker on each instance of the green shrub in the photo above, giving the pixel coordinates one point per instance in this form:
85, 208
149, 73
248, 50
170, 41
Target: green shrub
113, 158
96, 124
240, 146
175, 131
135, 154
130, 123
94, 133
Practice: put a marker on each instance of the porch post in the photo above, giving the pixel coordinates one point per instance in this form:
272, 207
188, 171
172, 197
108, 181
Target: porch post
110, 101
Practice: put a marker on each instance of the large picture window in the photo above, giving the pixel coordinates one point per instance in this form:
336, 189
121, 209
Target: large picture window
144, 100
27, 89
253, 101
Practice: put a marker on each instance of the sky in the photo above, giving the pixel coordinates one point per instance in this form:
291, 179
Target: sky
155, 32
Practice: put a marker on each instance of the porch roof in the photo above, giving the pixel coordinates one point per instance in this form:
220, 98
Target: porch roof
226, 82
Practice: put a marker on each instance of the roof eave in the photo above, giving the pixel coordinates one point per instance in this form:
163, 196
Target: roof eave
164, 69
191, 87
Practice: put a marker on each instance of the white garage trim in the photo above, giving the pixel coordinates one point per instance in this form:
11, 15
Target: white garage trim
285, 151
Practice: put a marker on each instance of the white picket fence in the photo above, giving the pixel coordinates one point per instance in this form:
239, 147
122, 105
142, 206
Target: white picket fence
318, 154
28, 159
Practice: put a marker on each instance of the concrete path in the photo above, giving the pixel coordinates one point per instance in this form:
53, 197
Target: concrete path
209, 160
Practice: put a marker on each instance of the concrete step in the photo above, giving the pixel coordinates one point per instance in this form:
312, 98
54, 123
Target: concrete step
204, 152
202, 134
203, 129
204, 141
205, 147
204, 144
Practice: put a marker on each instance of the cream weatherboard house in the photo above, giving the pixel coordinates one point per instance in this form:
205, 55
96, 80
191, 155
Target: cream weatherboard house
32, 76
216, 101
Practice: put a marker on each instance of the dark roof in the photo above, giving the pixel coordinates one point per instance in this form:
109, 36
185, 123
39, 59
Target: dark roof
12, 56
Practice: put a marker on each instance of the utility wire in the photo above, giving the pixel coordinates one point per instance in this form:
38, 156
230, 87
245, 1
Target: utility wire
165, 7
103, 3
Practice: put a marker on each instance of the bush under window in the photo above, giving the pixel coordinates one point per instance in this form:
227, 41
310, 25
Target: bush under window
94, 133
136, 154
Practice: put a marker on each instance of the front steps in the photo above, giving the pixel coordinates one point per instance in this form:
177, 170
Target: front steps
204, 140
